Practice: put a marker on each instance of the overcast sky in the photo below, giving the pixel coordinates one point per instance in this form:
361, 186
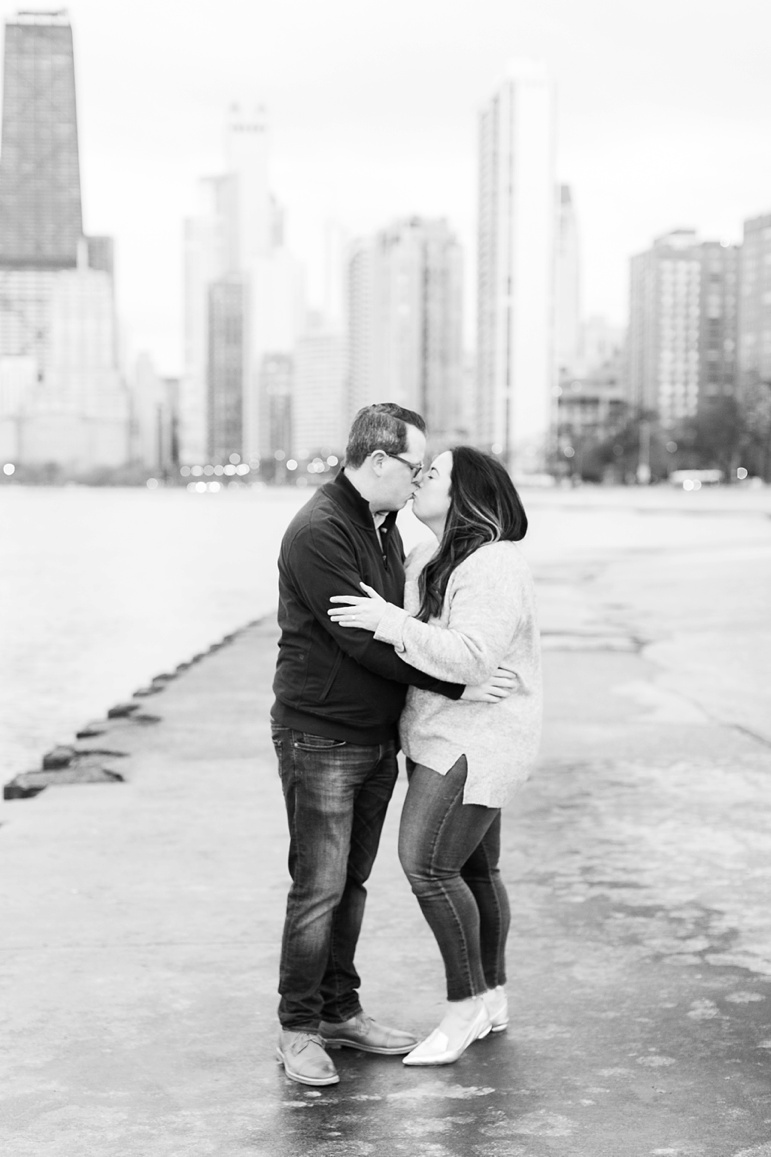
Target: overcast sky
664, 121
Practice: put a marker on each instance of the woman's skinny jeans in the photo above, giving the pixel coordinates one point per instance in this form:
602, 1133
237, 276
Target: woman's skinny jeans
450, 851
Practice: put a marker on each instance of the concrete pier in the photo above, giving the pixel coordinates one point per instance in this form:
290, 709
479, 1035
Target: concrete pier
142, 917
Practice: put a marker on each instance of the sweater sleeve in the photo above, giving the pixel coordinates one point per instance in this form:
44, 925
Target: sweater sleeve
484, 597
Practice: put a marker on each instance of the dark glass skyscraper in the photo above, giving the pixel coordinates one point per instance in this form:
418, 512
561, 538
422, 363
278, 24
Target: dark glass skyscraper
62, 397
40, 207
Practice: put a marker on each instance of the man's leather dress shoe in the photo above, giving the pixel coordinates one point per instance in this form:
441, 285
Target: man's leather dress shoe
362, 1032
305, 1059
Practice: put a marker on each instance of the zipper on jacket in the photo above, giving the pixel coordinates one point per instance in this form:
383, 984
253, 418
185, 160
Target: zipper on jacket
383, 544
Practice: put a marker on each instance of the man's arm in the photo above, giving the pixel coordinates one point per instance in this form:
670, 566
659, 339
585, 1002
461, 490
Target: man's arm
321, 562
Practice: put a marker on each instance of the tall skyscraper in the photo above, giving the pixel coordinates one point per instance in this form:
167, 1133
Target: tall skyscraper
516, 374
238, 234
718, 310
205, 262
320, 409
363, 370
40, 211
754, 352
405, 321
682, 325
62, 399
568, 305
227, 328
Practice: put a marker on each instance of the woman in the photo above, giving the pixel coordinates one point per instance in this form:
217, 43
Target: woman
469, 608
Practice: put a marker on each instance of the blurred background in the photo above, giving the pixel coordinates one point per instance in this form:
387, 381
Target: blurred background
223, 230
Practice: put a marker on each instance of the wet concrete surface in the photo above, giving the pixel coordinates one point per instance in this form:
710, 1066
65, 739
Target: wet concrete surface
143, 918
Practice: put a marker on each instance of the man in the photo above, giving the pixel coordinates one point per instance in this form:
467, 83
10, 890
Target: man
339, 694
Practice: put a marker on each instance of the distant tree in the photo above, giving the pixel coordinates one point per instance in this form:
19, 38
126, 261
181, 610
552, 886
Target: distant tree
756, 406
639, 438
715, 438
590, 465
42, 474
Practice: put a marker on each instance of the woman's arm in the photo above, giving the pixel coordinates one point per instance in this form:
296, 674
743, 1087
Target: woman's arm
485, 603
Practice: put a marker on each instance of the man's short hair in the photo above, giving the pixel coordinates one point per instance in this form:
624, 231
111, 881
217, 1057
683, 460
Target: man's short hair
382, 426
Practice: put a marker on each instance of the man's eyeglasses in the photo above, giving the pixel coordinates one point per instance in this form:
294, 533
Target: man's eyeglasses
415, 467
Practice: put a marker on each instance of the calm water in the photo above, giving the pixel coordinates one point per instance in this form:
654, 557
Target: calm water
102, 589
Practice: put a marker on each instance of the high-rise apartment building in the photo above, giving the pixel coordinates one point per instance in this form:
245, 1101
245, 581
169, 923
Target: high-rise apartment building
320, 417
516, 372
363, 380
718, 317
405, 321
682, 325
754, 340
62, 399
237, 234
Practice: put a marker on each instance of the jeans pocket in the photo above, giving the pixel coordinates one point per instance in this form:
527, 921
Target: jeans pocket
305, 741
278, 747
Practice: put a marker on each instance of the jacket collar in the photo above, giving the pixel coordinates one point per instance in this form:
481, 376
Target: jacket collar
342, 491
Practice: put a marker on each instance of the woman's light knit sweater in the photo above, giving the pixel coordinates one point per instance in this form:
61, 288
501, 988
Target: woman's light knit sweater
488, 620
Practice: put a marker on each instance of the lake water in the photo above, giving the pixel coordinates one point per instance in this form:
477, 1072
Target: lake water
101, 589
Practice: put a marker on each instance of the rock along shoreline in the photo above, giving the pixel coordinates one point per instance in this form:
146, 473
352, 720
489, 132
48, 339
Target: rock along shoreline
94, 755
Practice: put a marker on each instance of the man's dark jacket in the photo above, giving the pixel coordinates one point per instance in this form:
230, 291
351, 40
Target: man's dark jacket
336, 681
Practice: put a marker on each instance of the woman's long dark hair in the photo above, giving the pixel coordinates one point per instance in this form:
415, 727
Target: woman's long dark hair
484, 507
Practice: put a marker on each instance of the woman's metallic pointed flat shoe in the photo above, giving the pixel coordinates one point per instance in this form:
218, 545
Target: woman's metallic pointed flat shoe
440, 1049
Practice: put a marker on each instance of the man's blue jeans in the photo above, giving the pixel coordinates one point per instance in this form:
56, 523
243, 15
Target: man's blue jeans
336, 796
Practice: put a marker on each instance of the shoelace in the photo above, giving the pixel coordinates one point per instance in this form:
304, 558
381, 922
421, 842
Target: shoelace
310, 1038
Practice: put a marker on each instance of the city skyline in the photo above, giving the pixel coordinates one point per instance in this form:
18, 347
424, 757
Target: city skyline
633, 106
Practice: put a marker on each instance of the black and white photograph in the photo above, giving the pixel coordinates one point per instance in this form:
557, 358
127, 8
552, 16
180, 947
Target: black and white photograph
385, 579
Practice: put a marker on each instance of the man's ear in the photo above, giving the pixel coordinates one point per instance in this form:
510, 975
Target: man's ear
377, 460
